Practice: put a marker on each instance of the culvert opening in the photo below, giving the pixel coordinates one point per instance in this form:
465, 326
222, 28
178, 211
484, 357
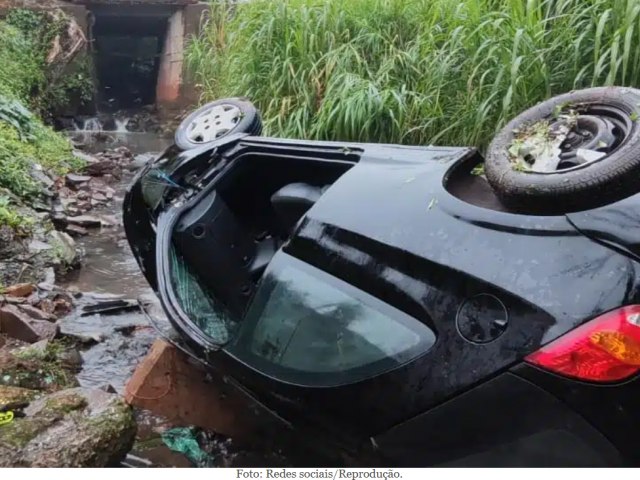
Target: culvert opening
128, 45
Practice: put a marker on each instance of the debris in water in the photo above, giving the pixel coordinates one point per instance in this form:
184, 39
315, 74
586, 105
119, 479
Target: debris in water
184, 440
110, 307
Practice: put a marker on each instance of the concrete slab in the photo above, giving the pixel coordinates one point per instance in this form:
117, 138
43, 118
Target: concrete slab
168, 383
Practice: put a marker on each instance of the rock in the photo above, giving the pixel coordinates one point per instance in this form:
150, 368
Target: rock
20, 290
85, 221
62, 305
36, 246
77, 230
108, 220
71, 359
47, 305
99, 197
89, 159
37, 314
79, 427
140, 161
74, 180
123, 152
101, 167
64, 246
86, 340
15, 300
107, 388
35, 368
39, 348
49, 276
12, 397
126, 330
46, 286
38, 174
19, 325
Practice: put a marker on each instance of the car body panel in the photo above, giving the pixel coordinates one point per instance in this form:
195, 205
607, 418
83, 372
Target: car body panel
506, 422
389, 227
610, 408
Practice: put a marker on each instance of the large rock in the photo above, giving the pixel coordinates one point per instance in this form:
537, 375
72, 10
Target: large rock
17, 324
73, 428
41, 366
14, 397
37, 314
20, 290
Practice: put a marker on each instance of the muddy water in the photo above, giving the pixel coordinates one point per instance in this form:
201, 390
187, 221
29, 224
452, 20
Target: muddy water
110, 271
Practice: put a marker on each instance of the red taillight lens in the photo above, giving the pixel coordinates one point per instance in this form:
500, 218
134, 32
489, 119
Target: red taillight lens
606, 349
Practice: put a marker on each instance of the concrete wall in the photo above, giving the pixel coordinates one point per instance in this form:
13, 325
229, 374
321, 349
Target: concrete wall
171, 62
175, 89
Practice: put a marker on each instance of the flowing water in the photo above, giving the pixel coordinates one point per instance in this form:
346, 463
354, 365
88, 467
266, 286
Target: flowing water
94, 125
110, 271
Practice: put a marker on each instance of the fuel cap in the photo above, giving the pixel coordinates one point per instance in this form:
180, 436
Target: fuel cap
482, 318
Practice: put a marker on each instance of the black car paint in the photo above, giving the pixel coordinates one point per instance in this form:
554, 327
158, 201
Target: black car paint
390, 227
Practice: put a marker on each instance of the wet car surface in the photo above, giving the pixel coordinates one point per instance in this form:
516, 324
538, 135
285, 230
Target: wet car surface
360, 292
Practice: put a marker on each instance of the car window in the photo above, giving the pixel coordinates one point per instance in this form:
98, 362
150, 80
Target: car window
201, 308
307, 327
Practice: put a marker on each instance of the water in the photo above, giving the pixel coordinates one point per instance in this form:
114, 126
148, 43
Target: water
95, 124
121, 125
110, 270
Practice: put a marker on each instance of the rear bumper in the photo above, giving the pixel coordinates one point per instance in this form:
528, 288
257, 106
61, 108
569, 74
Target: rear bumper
613, 410
507, 422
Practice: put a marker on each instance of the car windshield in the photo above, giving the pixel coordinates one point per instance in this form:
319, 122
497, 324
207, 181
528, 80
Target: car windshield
307, 327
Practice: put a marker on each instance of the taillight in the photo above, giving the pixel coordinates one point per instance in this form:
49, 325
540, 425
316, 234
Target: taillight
606, 349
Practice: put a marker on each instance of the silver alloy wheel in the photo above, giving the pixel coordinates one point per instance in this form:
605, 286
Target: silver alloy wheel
213, 123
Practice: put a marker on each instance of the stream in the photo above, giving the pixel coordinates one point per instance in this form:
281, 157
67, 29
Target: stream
110, 271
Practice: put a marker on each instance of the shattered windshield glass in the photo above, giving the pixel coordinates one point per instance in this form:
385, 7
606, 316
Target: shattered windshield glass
209, 316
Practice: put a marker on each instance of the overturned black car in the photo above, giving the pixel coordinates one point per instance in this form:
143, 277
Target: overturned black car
409, 308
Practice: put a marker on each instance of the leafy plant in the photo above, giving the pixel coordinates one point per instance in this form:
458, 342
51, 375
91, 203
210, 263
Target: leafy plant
13, 219
16, 115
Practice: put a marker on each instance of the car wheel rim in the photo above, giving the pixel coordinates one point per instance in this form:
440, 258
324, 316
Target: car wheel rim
213, 123
573, 139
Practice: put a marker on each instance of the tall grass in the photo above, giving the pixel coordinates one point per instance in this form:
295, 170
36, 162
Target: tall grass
411, 71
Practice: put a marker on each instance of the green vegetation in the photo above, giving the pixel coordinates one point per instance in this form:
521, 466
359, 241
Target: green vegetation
411, 71
8, 216
37, 369
25, 142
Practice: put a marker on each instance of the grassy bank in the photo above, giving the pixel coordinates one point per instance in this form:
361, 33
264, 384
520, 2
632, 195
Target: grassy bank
411, 71
26, 144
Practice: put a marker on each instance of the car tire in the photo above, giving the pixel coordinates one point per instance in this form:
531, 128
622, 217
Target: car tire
211, 123
592, 177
